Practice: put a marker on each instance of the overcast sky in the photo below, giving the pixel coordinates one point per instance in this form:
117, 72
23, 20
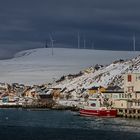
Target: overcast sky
110, 24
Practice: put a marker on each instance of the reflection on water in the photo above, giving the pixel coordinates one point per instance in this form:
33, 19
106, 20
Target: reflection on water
65, 119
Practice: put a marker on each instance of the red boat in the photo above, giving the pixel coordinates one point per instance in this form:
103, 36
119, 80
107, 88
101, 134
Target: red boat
95, 108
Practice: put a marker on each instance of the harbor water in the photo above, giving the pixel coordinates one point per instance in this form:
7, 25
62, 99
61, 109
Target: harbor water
20, 124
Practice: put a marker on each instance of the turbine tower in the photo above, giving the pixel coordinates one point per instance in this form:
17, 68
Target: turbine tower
84, 43
78, 40
52, 43
46, 44
134, 42
93, 47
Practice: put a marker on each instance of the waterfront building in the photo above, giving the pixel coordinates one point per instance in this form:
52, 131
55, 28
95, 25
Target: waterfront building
131, 96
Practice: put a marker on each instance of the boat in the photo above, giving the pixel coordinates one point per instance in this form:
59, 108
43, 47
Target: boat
94, 107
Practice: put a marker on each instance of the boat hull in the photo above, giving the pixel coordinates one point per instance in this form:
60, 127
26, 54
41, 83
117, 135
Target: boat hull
99, 113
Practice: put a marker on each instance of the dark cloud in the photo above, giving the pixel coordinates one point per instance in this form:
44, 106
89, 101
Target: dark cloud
109, 24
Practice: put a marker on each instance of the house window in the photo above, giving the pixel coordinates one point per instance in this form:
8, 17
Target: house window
130, 96
125, 96
115, 96
130, 89
137, 78
93, 104
129, 78
120, 96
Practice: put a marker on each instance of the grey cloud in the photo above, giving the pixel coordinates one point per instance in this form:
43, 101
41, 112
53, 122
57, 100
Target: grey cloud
27, 24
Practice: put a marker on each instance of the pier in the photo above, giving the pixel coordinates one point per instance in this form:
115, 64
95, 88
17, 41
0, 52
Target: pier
128, 113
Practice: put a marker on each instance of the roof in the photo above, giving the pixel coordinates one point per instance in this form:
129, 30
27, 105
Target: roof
114, 88
113, 92
95, 88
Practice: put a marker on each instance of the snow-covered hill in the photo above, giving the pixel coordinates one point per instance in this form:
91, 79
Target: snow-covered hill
111, 75
38, 66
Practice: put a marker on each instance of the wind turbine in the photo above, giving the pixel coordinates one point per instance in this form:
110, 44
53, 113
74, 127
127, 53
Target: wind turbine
46, 44
78, 40
84, 43
52, 43
93, 47
134, 42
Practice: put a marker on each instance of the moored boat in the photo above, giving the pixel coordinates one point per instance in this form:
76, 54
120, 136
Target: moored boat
95, 108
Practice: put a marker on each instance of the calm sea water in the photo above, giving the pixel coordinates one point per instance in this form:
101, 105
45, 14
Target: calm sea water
64, 125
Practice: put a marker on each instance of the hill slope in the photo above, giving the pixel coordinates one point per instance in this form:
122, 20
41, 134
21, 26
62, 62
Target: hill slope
38, 66
111, 75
